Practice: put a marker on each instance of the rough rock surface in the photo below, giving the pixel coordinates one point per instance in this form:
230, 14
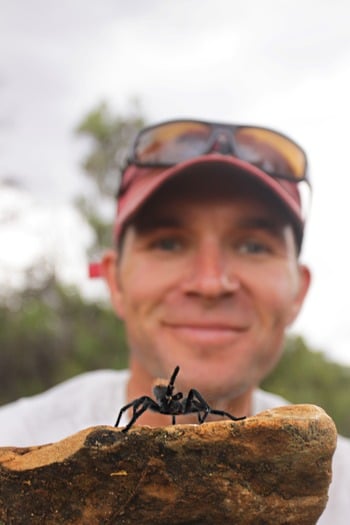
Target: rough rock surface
273, 468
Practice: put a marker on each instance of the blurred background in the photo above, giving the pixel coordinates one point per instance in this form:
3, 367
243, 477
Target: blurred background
77, 79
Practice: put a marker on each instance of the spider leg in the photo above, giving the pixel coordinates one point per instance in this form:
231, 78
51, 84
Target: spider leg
122, 410
195, 403
173, 376
139, 406
170, 388
136, 414
227, 414
177, 396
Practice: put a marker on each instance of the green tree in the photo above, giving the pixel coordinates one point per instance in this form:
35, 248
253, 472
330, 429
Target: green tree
306, 376
48, 333
109, 138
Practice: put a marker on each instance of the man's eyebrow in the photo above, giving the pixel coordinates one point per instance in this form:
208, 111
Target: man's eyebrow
262, 223
157, 222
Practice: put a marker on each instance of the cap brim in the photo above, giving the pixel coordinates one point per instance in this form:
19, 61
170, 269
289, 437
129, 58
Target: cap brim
146, 181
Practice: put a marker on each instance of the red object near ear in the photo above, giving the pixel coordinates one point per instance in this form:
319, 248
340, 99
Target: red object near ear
95, 270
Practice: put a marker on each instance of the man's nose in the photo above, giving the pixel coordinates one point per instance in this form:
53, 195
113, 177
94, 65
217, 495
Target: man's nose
211, 276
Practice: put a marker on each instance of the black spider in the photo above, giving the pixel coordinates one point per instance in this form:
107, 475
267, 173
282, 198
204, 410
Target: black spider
172, 404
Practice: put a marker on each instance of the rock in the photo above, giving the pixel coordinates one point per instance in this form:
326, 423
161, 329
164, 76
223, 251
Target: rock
273, 468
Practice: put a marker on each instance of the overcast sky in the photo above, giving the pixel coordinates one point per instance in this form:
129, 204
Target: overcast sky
277, 63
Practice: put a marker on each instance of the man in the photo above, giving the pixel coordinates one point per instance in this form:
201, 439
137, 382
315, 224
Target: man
206, 275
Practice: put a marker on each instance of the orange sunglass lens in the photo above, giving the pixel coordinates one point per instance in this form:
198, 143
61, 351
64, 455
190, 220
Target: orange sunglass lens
172, 143
270, 151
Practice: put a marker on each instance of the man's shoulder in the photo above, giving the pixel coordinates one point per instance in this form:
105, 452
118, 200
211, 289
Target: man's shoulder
84, 384
79, 386
343, 448
89, 399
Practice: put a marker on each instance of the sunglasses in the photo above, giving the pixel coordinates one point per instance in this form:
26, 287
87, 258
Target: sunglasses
176, 141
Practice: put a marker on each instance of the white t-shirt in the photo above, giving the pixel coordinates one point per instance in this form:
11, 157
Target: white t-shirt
95, 398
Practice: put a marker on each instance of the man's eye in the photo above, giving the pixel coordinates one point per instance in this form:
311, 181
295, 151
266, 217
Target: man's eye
253, 247
167, 244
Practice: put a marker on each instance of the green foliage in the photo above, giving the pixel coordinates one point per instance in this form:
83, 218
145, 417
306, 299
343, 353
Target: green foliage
49, 333
110, 136
305, 376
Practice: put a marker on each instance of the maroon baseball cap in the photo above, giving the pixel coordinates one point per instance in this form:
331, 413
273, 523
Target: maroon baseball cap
140, 183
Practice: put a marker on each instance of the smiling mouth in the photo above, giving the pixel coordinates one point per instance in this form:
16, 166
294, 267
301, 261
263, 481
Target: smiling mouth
206, 333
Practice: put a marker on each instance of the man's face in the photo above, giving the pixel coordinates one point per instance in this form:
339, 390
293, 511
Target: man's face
208, 279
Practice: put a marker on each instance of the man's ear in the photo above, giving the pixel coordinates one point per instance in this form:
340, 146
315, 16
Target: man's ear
110, 272
304, 282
